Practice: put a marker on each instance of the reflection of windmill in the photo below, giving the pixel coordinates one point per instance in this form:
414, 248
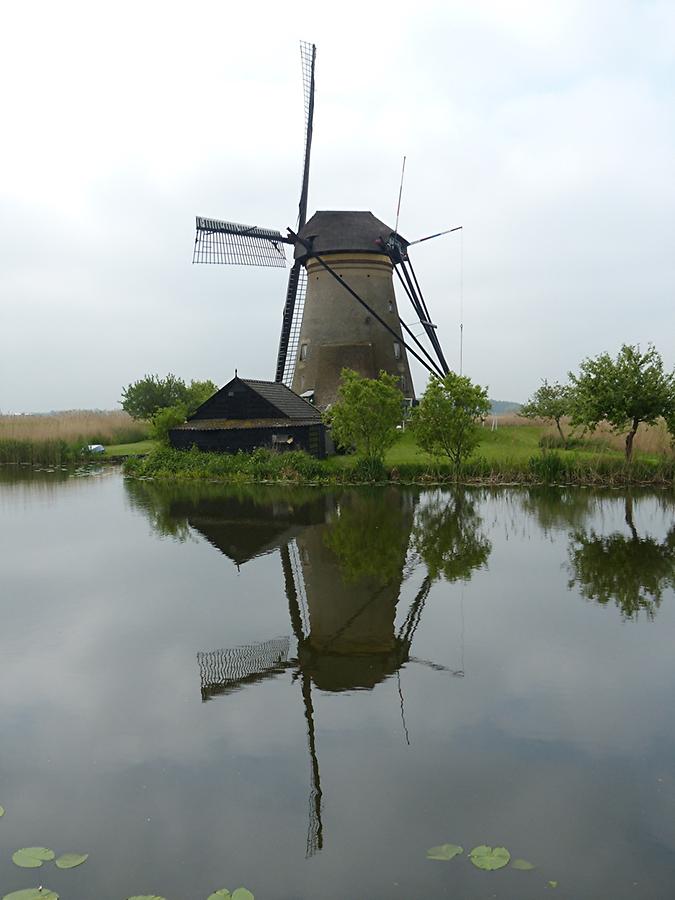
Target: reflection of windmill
356, 647
346, 314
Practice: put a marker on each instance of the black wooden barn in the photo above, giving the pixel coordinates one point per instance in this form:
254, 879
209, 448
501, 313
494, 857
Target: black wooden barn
246, 414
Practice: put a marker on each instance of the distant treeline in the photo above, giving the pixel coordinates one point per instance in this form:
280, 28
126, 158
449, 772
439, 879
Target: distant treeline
500, 407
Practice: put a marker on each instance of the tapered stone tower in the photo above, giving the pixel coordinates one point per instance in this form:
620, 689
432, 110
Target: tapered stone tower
336, 331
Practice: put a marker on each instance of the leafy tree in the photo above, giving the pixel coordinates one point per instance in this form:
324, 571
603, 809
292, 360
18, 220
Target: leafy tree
366, 414
144, 397
550, 402
198, 392
166, 418
445, 422
626, 391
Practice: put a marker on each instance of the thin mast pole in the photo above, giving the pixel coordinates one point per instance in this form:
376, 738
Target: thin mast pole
400, 192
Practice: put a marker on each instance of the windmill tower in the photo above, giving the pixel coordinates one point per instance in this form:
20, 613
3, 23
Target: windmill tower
340, 308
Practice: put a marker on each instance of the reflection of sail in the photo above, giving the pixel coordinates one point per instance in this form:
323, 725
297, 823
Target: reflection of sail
225, 671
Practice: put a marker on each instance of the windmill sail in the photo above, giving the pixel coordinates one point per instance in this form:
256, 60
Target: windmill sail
297, 281
290, 333
234, 244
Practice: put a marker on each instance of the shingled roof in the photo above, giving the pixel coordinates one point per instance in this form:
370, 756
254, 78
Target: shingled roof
285, 400
337, 231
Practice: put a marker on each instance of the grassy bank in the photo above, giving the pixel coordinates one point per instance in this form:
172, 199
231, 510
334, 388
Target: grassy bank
405, 463
58, 438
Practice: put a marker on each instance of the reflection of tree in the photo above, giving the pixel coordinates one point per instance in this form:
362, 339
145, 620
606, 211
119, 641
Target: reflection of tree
370, 535
447, 535
558, 507
633, 572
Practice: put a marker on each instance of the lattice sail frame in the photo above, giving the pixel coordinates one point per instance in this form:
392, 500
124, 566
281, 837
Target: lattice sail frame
228, 670
232, 243
294, 332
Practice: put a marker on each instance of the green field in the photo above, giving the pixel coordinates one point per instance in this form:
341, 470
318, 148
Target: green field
137, 449
510, 454
507, 444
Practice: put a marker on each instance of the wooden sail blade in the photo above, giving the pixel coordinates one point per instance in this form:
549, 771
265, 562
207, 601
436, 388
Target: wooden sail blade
230, 243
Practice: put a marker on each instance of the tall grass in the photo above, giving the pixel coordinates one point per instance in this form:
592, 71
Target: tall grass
56, 438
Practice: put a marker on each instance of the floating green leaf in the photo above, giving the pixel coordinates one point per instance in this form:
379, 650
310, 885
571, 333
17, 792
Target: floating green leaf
488, 858
32, 894
32, 857
70, 860
521, 864
444, 851
2, 811
146, 897
222, 894
553, 884
242, 894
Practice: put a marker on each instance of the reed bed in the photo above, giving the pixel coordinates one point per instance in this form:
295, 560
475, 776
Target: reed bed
654, 440
59, 437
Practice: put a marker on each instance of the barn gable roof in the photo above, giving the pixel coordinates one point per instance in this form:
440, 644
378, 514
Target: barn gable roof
254, 400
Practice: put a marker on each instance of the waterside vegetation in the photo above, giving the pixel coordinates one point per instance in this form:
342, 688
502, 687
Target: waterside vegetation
510, 454
59, 438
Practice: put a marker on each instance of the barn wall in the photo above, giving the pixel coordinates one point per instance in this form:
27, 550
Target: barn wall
310, 438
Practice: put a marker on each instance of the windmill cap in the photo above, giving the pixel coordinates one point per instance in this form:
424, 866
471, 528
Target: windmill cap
340, 231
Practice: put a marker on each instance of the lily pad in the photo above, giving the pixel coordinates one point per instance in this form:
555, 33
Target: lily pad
553, 884
32, 857
490, 858
222, 894
521, 864
2, 811
146, 897
444, 851
242, 894
32, 894
70, 860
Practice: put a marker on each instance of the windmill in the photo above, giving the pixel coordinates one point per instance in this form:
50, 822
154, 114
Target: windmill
344, 633
340, 307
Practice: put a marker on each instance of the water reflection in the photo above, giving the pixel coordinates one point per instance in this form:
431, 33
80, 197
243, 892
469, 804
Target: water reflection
448, 536
606, 564
344, 559
631, 571
558, 508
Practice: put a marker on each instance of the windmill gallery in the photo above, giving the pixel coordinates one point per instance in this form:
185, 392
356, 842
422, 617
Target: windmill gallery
340, 311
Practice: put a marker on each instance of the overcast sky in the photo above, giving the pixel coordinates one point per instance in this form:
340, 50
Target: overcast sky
547, 129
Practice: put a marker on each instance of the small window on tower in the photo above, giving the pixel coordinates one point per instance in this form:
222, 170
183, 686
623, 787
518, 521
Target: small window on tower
303, 351
397, 350
391, 306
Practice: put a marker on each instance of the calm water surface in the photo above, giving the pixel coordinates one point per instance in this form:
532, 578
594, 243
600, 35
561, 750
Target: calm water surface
302, 691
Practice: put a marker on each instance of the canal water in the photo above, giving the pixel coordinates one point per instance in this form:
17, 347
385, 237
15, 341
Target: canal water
301, 691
